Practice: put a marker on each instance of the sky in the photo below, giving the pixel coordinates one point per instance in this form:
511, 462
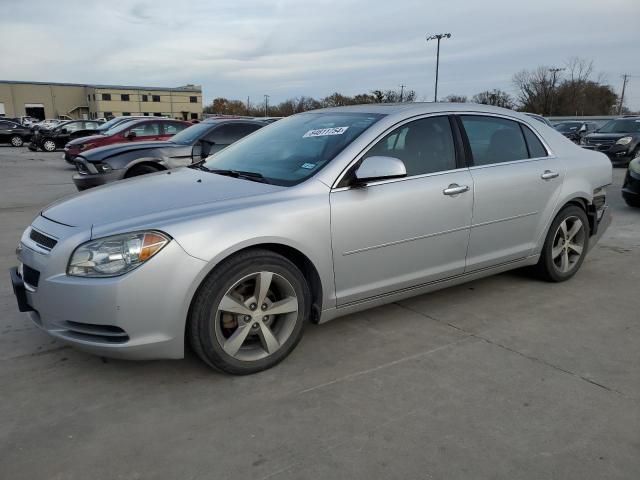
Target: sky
286, 48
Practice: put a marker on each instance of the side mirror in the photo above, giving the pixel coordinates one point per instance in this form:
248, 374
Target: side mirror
583, 128
379, 168
205, 147
64, 130
131, 135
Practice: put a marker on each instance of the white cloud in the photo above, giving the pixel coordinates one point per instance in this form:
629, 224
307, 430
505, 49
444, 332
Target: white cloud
286, 47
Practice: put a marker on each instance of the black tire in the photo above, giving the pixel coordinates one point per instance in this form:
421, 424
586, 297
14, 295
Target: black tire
141, 170
546, 269
16, 141
201, 326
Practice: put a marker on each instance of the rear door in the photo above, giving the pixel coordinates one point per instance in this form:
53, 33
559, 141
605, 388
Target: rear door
517, 183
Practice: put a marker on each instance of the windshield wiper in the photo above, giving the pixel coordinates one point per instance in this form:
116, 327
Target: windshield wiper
253, 176
200, 166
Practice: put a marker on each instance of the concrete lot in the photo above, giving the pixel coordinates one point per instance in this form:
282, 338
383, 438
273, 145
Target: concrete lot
506, 377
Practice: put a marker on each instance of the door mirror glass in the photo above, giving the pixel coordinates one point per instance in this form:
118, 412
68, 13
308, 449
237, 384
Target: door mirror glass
131, 135
379, 168
64, 130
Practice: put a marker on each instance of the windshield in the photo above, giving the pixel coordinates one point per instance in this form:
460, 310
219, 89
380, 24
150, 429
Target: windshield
291, 150
568, 127
191, 134
112, 123
631, 125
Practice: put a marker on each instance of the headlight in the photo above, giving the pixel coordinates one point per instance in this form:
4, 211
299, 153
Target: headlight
624, 141
115, 255
102, 167
634, 165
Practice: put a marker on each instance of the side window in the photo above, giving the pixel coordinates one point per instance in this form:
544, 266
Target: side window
173, 128
425, 146
73, 126
494, 140
227, 134
536, 149
146, 129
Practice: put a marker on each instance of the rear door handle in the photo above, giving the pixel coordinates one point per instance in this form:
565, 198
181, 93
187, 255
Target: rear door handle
548, 175
455, 189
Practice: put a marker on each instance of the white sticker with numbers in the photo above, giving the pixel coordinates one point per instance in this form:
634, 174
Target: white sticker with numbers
324, 132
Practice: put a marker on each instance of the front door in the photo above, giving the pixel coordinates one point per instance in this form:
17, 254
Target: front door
517, 184
404, 232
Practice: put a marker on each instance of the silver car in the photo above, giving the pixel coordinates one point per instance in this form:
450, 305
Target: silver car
316, 216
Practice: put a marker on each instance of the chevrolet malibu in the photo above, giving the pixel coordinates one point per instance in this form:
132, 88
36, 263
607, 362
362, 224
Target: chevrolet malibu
316, 216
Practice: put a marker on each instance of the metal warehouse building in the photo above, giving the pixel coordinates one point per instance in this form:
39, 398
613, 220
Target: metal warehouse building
53, 100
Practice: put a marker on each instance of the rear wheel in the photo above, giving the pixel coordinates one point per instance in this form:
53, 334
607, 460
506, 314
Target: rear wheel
566, 245
250, 313
49, 146
16, 141
632, 202
141, 170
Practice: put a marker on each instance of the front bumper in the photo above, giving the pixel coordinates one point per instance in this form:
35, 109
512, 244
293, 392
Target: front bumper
631, 186
620, 155
139, 315
84, 181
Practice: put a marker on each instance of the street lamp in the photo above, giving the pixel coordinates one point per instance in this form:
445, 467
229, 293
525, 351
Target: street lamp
437, 37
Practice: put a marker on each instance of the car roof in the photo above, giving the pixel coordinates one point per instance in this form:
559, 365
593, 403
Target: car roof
418, 108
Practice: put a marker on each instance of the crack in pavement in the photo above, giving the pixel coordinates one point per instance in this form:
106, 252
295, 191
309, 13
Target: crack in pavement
512, 350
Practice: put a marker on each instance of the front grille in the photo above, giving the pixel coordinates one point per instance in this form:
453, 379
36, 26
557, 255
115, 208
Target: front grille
600, 144
42, 240
30, 275
94, 333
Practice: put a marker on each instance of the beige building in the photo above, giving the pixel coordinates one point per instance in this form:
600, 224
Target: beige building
55, 100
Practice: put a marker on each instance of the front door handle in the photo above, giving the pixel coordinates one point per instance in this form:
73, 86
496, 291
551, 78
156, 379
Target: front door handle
548, 175
455, 189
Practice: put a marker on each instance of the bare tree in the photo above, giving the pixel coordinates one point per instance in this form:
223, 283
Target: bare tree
456, 98
494, 97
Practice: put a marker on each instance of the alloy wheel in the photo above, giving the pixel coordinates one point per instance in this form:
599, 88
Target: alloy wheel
256, 316
568, 244
16, 141
49, 145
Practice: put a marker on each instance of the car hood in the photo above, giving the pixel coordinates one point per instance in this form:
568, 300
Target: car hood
609, 136
101, 153
148, 195
90, 138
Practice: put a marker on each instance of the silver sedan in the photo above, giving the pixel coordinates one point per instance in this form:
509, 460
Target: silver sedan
318, 215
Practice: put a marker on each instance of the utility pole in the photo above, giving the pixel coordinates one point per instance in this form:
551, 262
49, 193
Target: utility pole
248, 105
554, 71
266, 105
402, 92
437, 37
625, 77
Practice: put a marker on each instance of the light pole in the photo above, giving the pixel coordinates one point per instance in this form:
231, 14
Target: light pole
554, 71
266, 105
402, 92
437, 37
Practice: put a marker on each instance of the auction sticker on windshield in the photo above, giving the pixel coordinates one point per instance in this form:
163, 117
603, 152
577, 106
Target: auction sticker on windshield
323, 132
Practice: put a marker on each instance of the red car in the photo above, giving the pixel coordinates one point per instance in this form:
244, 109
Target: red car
134, 131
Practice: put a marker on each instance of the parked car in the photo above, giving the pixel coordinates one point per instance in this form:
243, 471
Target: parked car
619, 139
316, 216
14, 133
540, 118
138, 130
102, 165
575, 130
58, 136
47, 124
631, 185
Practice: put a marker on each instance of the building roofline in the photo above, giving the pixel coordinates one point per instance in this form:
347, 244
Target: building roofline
185, 88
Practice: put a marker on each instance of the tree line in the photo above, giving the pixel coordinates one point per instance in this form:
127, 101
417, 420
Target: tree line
566, 91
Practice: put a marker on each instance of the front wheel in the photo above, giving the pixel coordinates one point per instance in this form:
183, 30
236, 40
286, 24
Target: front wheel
17, 141
49, 146
250, 313
566, 245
